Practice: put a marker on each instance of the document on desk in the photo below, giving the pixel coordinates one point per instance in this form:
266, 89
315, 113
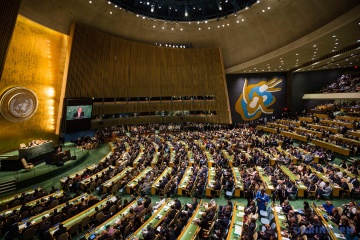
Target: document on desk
238, 230
337, 235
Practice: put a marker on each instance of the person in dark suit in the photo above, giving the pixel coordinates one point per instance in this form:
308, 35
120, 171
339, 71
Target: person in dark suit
79, 113
267, 233
282, 194
149, 234
286, 207
60, 231
147, 201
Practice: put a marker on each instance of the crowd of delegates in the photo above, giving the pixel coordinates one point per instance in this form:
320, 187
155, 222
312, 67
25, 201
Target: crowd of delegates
193, 146
345, 83
312, 131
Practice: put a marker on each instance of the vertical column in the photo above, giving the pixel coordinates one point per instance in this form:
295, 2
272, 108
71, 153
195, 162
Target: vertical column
9, 10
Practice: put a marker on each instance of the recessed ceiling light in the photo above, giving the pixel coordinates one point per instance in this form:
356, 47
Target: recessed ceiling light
334, 36
263, 10
163, 28
199, 29
110, 12
297, 54
314, 45
172, 28
268, 7
90, 1
242, 19
336, 43
181, 29
209, 28
154, 26
237, 21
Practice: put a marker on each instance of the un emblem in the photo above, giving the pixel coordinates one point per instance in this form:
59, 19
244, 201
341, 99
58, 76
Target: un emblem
256, 99
18, 104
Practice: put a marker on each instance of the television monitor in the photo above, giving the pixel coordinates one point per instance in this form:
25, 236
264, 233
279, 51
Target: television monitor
77, 113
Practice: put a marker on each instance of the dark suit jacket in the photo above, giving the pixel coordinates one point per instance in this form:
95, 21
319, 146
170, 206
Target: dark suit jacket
76, 115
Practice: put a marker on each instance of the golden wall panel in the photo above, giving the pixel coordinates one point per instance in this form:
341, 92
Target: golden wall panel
35, 60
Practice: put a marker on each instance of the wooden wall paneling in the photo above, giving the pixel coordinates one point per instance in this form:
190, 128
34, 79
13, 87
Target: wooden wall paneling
102, 65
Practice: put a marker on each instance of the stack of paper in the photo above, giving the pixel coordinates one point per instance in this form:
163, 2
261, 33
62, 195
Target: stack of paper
238, 230
239, 223
240, 214
240, 207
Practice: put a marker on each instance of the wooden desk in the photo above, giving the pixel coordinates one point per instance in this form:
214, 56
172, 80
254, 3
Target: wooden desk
287, 122
155, 159
109, 183
155, 219
228, 157
87, 181
279, 217
348, 140
332, 147
88, 212
322, 127
337, 123
306, 119
354, 133
294, 136
278, 126
137, 159
301, 187
7, 200
185, 179
267, 129
268, 185
318, 134
336, 189
35, 220
333, 230
155, 185
133, 183
191, 229
210, 181
238, 181
113, 220
237, 221
7, 212
80, 172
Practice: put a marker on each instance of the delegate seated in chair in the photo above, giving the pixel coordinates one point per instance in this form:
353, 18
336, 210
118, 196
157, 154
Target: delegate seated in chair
26, 165
324, 192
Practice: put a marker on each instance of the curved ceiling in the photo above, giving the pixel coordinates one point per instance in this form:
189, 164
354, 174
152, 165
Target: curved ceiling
269, 29
183, 10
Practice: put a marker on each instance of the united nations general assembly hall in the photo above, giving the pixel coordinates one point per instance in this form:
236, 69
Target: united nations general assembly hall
179, 119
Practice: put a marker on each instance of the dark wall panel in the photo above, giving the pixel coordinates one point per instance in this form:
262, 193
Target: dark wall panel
311, 82
275, 101
8, 13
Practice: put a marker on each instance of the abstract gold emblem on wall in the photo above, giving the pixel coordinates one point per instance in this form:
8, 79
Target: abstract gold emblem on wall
18, 104
256, 99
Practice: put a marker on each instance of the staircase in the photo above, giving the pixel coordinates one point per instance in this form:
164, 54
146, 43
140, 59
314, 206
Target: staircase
7, 186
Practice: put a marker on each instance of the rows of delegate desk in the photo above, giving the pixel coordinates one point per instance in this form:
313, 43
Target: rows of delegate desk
282, 126
238, 188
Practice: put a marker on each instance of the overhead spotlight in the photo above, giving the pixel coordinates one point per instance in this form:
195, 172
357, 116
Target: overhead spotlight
152, 8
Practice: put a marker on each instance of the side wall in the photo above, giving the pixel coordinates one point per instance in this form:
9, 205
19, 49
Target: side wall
104, 66
35, 60
312, 82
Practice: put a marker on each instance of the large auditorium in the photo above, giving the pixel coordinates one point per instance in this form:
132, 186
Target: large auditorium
180, 119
